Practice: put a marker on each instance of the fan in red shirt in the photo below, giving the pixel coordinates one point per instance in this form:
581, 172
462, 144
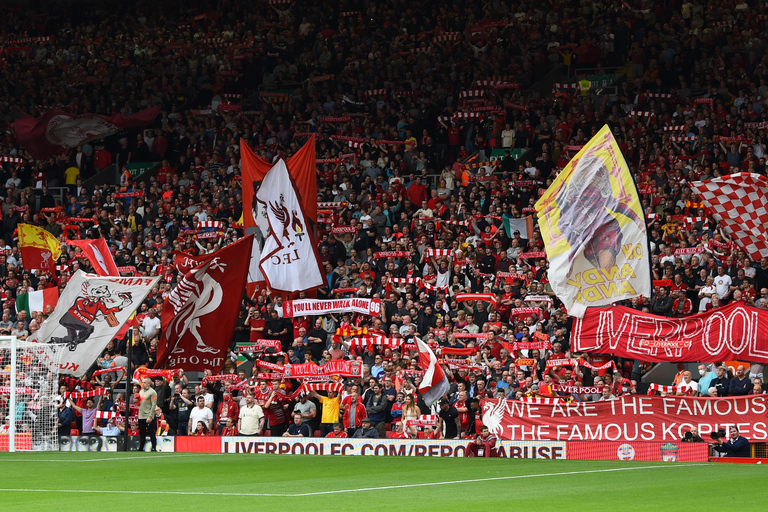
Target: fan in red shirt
338, 431
228, 410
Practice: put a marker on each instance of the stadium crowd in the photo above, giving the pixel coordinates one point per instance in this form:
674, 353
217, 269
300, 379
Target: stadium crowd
390, 77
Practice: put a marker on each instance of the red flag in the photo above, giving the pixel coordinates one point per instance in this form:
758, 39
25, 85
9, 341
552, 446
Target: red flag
434, 384
200, 313
98, 254
56, 131
301, 167
184, 262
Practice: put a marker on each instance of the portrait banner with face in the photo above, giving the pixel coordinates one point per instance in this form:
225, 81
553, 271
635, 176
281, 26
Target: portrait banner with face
89, 314
593, 228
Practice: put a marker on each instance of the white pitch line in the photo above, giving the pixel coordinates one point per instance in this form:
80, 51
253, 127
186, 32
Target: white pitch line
342, 491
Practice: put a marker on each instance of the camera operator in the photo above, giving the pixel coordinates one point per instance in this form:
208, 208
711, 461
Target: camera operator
692, 436
736, 446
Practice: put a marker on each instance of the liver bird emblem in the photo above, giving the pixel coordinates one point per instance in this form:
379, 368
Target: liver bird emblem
281, 213
493, 413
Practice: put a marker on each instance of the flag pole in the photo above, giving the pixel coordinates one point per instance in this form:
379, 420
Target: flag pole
128, 387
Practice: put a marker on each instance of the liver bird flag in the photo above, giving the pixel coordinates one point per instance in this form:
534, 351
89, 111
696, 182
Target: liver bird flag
39, 249
289, 260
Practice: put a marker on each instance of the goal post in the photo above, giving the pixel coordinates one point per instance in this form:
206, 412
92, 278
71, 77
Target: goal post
29, 378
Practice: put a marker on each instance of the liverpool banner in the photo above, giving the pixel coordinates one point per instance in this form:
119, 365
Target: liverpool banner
630, 418
331, 368
289, 260
89, 314
594, 231
200, 313
733, 332
304, 307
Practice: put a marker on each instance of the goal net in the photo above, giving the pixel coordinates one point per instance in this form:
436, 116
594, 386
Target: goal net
29, 376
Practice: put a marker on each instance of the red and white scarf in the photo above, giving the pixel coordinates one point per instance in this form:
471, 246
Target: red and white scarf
668, 389
542, 401
87, 394
583, 362
108, 370
425, 420
577, 390
485, 297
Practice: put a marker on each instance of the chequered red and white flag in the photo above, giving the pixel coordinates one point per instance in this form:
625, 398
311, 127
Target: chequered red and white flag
739, 202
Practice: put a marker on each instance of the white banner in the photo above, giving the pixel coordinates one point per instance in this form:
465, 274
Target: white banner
289, 258
89, 314
303, 307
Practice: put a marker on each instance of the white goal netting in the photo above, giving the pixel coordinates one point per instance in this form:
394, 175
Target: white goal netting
28, 395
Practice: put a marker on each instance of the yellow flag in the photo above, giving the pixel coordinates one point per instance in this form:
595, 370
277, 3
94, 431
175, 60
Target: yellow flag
33, 236
593, 228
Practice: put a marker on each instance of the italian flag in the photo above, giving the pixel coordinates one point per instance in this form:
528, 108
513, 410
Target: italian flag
37, 301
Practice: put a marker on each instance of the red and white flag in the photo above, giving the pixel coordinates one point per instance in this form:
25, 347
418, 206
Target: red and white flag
184, 262
289, 258
200, 313
434, 384
56, 131
98, 254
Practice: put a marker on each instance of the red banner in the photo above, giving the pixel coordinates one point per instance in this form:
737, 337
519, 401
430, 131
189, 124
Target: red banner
630, 418
729, 333
57, 131
199, 315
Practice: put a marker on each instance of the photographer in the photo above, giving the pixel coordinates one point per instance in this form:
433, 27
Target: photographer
736, 446
692, 436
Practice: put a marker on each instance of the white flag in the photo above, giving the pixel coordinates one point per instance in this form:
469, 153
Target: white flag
89, 314
289, 258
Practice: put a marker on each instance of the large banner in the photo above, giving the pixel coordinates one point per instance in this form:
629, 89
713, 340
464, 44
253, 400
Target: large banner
593, 228
628, 419
585, 450
732, 332
200, 313
89, 314
57, 131
308, 307
301, 167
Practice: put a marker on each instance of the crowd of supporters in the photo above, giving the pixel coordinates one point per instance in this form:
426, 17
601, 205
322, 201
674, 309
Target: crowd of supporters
389, 76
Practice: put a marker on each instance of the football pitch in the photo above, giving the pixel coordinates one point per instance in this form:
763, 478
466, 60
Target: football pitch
157, 481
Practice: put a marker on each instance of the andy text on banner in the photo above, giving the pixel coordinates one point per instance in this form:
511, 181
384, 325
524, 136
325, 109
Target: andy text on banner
594, 232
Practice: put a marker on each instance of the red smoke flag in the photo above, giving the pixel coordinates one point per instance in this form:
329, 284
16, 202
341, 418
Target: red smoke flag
199, 315
97, 252
434, 384
56, 131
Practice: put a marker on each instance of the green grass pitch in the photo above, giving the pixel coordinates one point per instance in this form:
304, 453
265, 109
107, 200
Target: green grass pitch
156, 482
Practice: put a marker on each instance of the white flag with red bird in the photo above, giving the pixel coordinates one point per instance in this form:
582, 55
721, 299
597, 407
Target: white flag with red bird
289, 259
